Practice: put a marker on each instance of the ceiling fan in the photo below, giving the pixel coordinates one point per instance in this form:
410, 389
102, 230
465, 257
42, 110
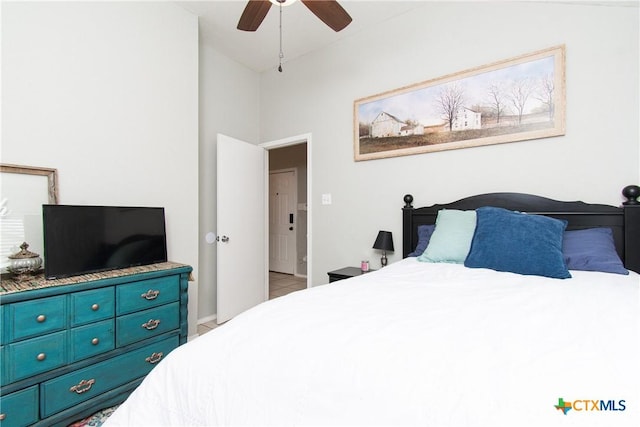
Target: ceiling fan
329, 12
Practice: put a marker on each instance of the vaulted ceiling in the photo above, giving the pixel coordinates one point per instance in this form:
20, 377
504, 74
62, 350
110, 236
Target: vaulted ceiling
302, 31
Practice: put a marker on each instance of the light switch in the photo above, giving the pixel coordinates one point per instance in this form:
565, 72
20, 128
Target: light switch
326, 199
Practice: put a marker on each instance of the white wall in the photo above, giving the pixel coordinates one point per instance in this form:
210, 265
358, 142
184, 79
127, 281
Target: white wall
597, 157
229, 104
107, 93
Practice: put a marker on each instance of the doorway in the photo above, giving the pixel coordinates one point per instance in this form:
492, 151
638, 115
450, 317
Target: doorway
288, 210
294, 154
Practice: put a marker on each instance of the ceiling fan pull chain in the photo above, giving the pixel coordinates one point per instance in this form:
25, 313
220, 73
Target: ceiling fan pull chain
281, 55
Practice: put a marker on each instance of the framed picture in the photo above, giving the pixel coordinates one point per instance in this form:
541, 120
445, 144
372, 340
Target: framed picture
24, 190
517, 99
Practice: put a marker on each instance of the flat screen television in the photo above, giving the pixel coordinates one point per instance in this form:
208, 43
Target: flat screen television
87, 239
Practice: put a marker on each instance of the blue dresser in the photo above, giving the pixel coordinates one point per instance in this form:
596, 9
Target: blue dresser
70, 347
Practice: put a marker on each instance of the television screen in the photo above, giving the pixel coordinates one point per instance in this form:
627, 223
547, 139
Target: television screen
86, 239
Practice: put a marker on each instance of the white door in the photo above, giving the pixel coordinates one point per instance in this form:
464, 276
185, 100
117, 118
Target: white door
282, 218
242, 230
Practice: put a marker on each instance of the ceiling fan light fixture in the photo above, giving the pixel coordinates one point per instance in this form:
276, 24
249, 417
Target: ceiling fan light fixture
328, 11
283, 2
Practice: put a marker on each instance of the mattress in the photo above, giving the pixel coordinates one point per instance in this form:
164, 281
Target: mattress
412, 344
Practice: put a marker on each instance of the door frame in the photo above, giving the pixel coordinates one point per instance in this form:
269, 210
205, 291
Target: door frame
285, 142
295, 213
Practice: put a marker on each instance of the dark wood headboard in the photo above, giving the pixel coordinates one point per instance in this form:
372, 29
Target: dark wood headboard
624, 221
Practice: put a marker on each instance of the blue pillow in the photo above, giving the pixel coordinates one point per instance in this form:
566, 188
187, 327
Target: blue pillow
592, 249
518, 243
424, 235
451, 239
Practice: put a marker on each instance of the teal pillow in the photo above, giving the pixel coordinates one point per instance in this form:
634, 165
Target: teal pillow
518, 243
451, 239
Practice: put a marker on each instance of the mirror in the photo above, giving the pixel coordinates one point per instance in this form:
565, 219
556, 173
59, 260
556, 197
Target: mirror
23, 191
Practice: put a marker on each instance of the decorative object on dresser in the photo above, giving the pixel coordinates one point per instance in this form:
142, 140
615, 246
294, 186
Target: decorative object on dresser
71, 347
25, 263
384, 242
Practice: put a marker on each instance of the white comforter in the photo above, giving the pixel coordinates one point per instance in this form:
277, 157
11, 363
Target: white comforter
411, 344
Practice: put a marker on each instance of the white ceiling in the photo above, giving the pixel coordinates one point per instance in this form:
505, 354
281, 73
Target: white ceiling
303, 32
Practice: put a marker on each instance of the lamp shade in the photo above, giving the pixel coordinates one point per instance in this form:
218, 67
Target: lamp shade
384, 241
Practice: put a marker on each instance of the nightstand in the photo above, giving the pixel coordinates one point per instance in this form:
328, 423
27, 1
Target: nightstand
345, 273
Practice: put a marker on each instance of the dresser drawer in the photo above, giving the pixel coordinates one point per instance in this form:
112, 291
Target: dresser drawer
3, 335
30, 357
36, 317
146, 324
91, 306
19, 408
76, 387
4, 374
145, 294
89, 340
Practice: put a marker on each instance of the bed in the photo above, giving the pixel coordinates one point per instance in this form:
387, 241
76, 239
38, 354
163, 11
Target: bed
430, 342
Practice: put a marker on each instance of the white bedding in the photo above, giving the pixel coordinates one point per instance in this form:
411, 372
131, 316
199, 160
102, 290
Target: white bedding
411, 344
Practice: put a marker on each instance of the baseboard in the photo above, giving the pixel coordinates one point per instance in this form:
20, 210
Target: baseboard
213, 317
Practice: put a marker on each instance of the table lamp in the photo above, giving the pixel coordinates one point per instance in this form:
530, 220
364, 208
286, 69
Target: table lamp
384, 242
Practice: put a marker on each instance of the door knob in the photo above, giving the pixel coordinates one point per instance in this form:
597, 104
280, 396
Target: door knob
290, 228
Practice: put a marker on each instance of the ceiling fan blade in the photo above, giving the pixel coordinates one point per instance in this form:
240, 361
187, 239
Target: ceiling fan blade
329, 12
253, 14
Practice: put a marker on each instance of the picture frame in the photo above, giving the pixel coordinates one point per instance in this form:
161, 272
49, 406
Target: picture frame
24, 190
517, 99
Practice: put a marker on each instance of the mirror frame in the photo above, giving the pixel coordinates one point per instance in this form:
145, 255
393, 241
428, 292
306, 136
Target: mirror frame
51, 174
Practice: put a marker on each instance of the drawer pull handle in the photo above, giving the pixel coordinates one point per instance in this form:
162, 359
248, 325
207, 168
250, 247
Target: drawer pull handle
3, 416
95, 307
151, 324
95, 341
41, 318
83, 386
150, 294
41, 357
154, 358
